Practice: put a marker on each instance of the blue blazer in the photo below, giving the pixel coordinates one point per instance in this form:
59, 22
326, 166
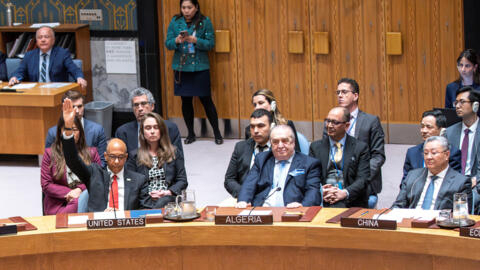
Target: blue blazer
451, 93
302, 188
94, 136
60, 66
414, 159
129, 134
3, 67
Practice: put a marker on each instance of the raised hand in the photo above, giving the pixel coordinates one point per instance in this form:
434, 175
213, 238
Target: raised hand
68, 113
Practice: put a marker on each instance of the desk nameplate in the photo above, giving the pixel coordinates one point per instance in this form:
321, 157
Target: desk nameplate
115, 223
366, 223
8, 229
243, 219
470, 232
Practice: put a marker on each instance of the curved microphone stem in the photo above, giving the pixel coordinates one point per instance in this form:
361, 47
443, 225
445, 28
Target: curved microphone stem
113, 200
277, 189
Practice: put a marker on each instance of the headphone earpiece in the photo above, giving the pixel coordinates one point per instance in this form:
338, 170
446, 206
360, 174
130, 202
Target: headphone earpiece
475, 106
273, 105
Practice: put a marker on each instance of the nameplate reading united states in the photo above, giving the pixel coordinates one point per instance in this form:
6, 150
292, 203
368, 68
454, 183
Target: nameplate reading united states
246, 217
470, 232
368, 223
115, 223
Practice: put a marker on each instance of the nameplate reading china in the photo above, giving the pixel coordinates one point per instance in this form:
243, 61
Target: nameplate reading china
368, 223
243, 219
115, 223
470, 232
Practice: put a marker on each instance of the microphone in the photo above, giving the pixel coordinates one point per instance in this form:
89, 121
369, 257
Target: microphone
113, 197
274, 191
384, 211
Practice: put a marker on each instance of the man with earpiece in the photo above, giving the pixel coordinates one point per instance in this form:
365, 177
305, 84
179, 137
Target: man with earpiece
432, 187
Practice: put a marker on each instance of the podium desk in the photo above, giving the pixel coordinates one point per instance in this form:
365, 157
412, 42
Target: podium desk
203, 245
26, 117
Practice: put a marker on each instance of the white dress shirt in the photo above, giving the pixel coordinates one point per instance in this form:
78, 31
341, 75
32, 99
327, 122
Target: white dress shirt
471, 138
436, 187
353, 122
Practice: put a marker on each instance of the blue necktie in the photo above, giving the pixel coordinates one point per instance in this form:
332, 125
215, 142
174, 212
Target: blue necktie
427, 201
276, 183
43, 72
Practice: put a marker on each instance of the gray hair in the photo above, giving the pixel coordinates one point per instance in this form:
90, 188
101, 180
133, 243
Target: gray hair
285, 127
442, 140
140, 91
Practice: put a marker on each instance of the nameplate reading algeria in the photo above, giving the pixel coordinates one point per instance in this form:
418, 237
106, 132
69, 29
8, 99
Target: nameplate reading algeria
470, 232
368, 223
243, 219
115, 223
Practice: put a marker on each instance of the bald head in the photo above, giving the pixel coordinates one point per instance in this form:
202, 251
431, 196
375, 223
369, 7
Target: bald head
116, 144
116, 155
45, 38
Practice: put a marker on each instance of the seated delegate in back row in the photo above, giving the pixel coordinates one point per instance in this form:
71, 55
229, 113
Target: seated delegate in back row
264, 99
61, 186
113, 187
47, 63
94, 133
432, 124
160, 161
432, 187
282, 177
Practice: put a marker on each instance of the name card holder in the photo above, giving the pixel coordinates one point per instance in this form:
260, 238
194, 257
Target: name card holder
115, 223
243, 219
470, 232
8, 229
368, 223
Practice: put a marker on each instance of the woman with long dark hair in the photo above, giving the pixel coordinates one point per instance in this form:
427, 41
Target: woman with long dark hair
59, 184
159, 160
467, 65
191, 35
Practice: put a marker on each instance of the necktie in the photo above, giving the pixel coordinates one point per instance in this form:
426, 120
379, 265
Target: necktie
43, 72
427, 201
262, 148
113, 200
465, 150
338, 155
279, 178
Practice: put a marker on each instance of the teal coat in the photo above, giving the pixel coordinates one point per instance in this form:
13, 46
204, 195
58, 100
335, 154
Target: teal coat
205, 35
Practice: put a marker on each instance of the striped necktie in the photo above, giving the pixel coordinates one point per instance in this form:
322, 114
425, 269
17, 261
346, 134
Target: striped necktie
43, 72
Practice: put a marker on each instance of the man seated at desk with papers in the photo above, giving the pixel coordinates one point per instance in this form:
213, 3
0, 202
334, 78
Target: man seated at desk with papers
47, 63
281, 177
432, 187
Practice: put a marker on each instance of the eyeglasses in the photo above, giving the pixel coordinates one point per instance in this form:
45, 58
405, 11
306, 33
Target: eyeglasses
461, 102
143, 104
114, 157
282, 140
334, 122
343, 92
433, 153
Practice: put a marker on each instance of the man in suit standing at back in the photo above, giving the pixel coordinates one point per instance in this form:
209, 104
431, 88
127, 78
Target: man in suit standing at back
366, 128
47, 63
113, 187
143, 103
245, 151
432, 187
345, 163
94, 133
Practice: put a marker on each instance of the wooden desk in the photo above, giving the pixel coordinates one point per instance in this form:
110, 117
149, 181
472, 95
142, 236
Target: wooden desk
202, 245
26, 117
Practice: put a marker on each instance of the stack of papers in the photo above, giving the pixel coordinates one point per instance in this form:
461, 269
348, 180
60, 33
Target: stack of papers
256, 213
398, 214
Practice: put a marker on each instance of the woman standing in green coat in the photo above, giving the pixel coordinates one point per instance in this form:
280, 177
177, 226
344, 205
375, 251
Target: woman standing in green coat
191, 35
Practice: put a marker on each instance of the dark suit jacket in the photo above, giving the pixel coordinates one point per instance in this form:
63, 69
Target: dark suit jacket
3, 67
303, 188
414, 159
451, 93
94, 137
175, 175
128, 133
97, 181
453, 136
60, 66
289, 123
412, 188
239, 166
368, 129
356, 171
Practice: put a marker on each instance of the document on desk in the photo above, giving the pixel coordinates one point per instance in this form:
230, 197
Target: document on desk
54, 85
38, 25
108, 215
399, 214
21, 86
256, 213
76, 220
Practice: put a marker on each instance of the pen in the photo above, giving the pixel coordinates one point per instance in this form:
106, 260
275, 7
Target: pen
364, 213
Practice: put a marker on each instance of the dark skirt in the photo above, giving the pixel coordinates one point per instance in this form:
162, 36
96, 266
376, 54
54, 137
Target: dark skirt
192, 84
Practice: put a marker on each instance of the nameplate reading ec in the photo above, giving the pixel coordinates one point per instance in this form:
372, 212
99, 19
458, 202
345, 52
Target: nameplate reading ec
115, 223
470, 232
368, 223
243, 220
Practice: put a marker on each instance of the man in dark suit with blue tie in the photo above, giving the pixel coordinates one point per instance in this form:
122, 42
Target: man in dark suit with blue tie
47, 63
432, 187
281, 177
433, 122
94, 133
143, 103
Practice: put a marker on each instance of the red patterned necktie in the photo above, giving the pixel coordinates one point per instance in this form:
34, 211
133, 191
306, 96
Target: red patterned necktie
113, 200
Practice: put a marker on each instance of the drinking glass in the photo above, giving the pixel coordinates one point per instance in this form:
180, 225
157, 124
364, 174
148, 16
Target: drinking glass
460, 208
